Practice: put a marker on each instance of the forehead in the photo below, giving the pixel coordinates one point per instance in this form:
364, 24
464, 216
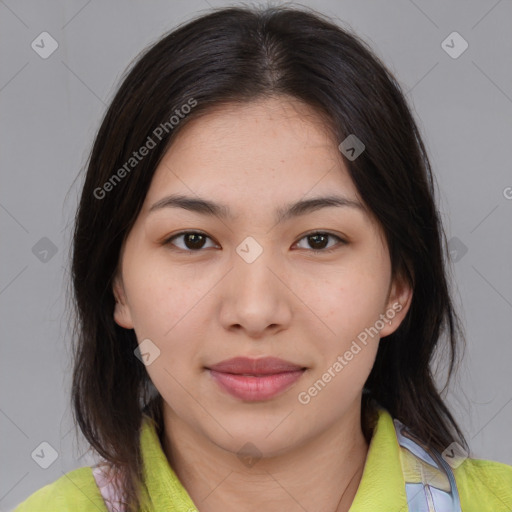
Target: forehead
255, 125
267, 151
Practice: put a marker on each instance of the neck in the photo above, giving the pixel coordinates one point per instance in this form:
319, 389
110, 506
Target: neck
322, 473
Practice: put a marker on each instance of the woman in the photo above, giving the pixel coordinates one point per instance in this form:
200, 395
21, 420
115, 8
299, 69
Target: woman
260, 286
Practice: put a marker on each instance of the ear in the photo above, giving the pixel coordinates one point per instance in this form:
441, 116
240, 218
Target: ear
397, 306
122, 314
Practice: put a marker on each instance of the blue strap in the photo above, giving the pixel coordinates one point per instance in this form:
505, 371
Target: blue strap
429, 480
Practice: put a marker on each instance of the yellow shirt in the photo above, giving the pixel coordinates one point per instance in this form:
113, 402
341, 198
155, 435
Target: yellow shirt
484, 486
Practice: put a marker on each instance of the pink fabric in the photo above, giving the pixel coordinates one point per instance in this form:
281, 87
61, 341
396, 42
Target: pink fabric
110, 496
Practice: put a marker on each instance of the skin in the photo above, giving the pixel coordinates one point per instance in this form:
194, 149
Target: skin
208, 304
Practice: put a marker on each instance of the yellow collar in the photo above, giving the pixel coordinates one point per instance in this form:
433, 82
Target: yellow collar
381, 486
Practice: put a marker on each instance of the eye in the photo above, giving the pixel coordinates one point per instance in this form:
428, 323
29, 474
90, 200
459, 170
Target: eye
318, 239
193, 240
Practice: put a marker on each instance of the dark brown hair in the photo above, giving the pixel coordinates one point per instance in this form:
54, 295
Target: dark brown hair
237, 55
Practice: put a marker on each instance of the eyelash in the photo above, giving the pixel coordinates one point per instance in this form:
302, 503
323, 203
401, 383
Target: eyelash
316, 251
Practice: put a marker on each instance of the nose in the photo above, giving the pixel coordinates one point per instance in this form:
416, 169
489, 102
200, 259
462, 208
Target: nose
255, 297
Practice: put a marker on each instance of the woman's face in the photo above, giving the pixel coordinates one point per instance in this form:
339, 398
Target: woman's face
250, 285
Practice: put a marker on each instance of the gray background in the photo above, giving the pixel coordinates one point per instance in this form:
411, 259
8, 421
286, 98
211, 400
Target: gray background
51, 109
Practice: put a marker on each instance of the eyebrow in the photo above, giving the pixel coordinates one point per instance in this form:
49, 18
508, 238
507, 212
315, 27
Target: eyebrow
221, 211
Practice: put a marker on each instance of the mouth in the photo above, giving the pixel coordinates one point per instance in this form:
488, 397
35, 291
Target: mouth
255, 379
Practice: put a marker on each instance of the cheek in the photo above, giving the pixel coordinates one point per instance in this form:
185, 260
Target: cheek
159, 298
165, 307
350, 301
347, 352
166, 315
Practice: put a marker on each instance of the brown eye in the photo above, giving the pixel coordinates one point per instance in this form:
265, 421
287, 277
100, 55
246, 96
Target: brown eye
193, 241
318, 241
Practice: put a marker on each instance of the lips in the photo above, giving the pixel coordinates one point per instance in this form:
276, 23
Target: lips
255, 379
262, 366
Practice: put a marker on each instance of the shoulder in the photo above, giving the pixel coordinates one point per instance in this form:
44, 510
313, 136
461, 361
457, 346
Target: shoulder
75, 490
484, 481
